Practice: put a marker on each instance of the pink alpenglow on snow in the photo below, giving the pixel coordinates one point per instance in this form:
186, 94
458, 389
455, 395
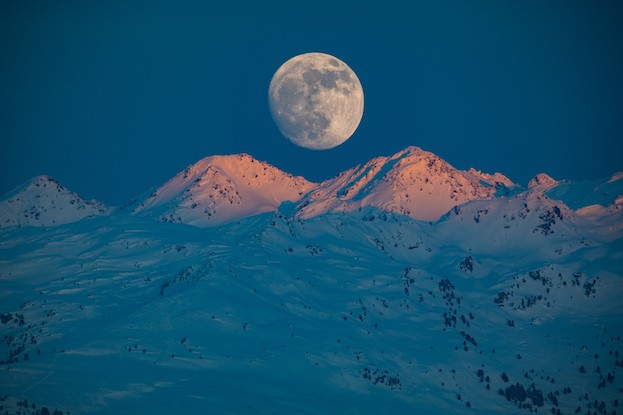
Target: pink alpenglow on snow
412, 182
222, 189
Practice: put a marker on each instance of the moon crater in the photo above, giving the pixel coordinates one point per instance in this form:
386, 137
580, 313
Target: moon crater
316, 100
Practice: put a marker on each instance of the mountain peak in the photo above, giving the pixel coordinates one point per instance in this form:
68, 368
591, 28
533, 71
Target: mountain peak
223, 188
42, 181
42, 201
412, 151
412, 182
542, 180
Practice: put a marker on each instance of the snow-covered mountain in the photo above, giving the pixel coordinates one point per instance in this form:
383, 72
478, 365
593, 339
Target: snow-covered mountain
221, 189
42, 201
293, 297
413, 182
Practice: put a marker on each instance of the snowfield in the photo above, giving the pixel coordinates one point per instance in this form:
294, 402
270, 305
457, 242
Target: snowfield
315, 298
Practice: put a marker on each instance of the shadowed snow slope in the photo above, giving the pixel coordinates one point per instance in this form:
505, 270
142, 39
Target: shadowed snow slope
42, 201
578, 195
222, 189
372, 311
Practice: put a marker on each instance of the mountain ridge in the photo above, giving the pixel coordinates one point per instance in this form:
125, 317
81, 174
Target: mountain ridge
223, 188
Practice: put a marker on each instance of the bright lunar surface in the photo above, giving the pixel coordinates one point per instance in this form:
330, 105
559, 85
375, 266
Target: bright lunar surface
316, 100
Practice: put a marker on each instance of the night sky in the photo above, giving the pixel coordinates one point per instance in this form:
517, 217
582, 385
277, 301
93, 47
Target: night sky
113, 98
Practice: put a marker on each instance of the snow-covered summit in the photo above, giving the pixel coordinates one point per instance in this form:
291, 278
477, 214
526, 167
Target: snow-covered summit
221, 189
42, 201
412, 182
542, 181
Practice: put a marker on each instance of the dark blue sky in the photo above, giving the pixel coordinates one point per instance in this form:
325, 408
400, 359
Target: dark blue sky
112, 98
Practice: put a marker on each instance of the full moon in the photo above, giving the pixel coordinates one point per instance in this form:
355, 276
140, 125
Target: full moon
316, 100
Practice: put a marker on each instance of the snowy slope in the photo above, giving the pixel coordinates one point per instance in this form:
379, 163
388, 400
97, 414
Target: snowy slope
578, 195
42, 201
412, 182
270, 313
221, 189
598, 202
